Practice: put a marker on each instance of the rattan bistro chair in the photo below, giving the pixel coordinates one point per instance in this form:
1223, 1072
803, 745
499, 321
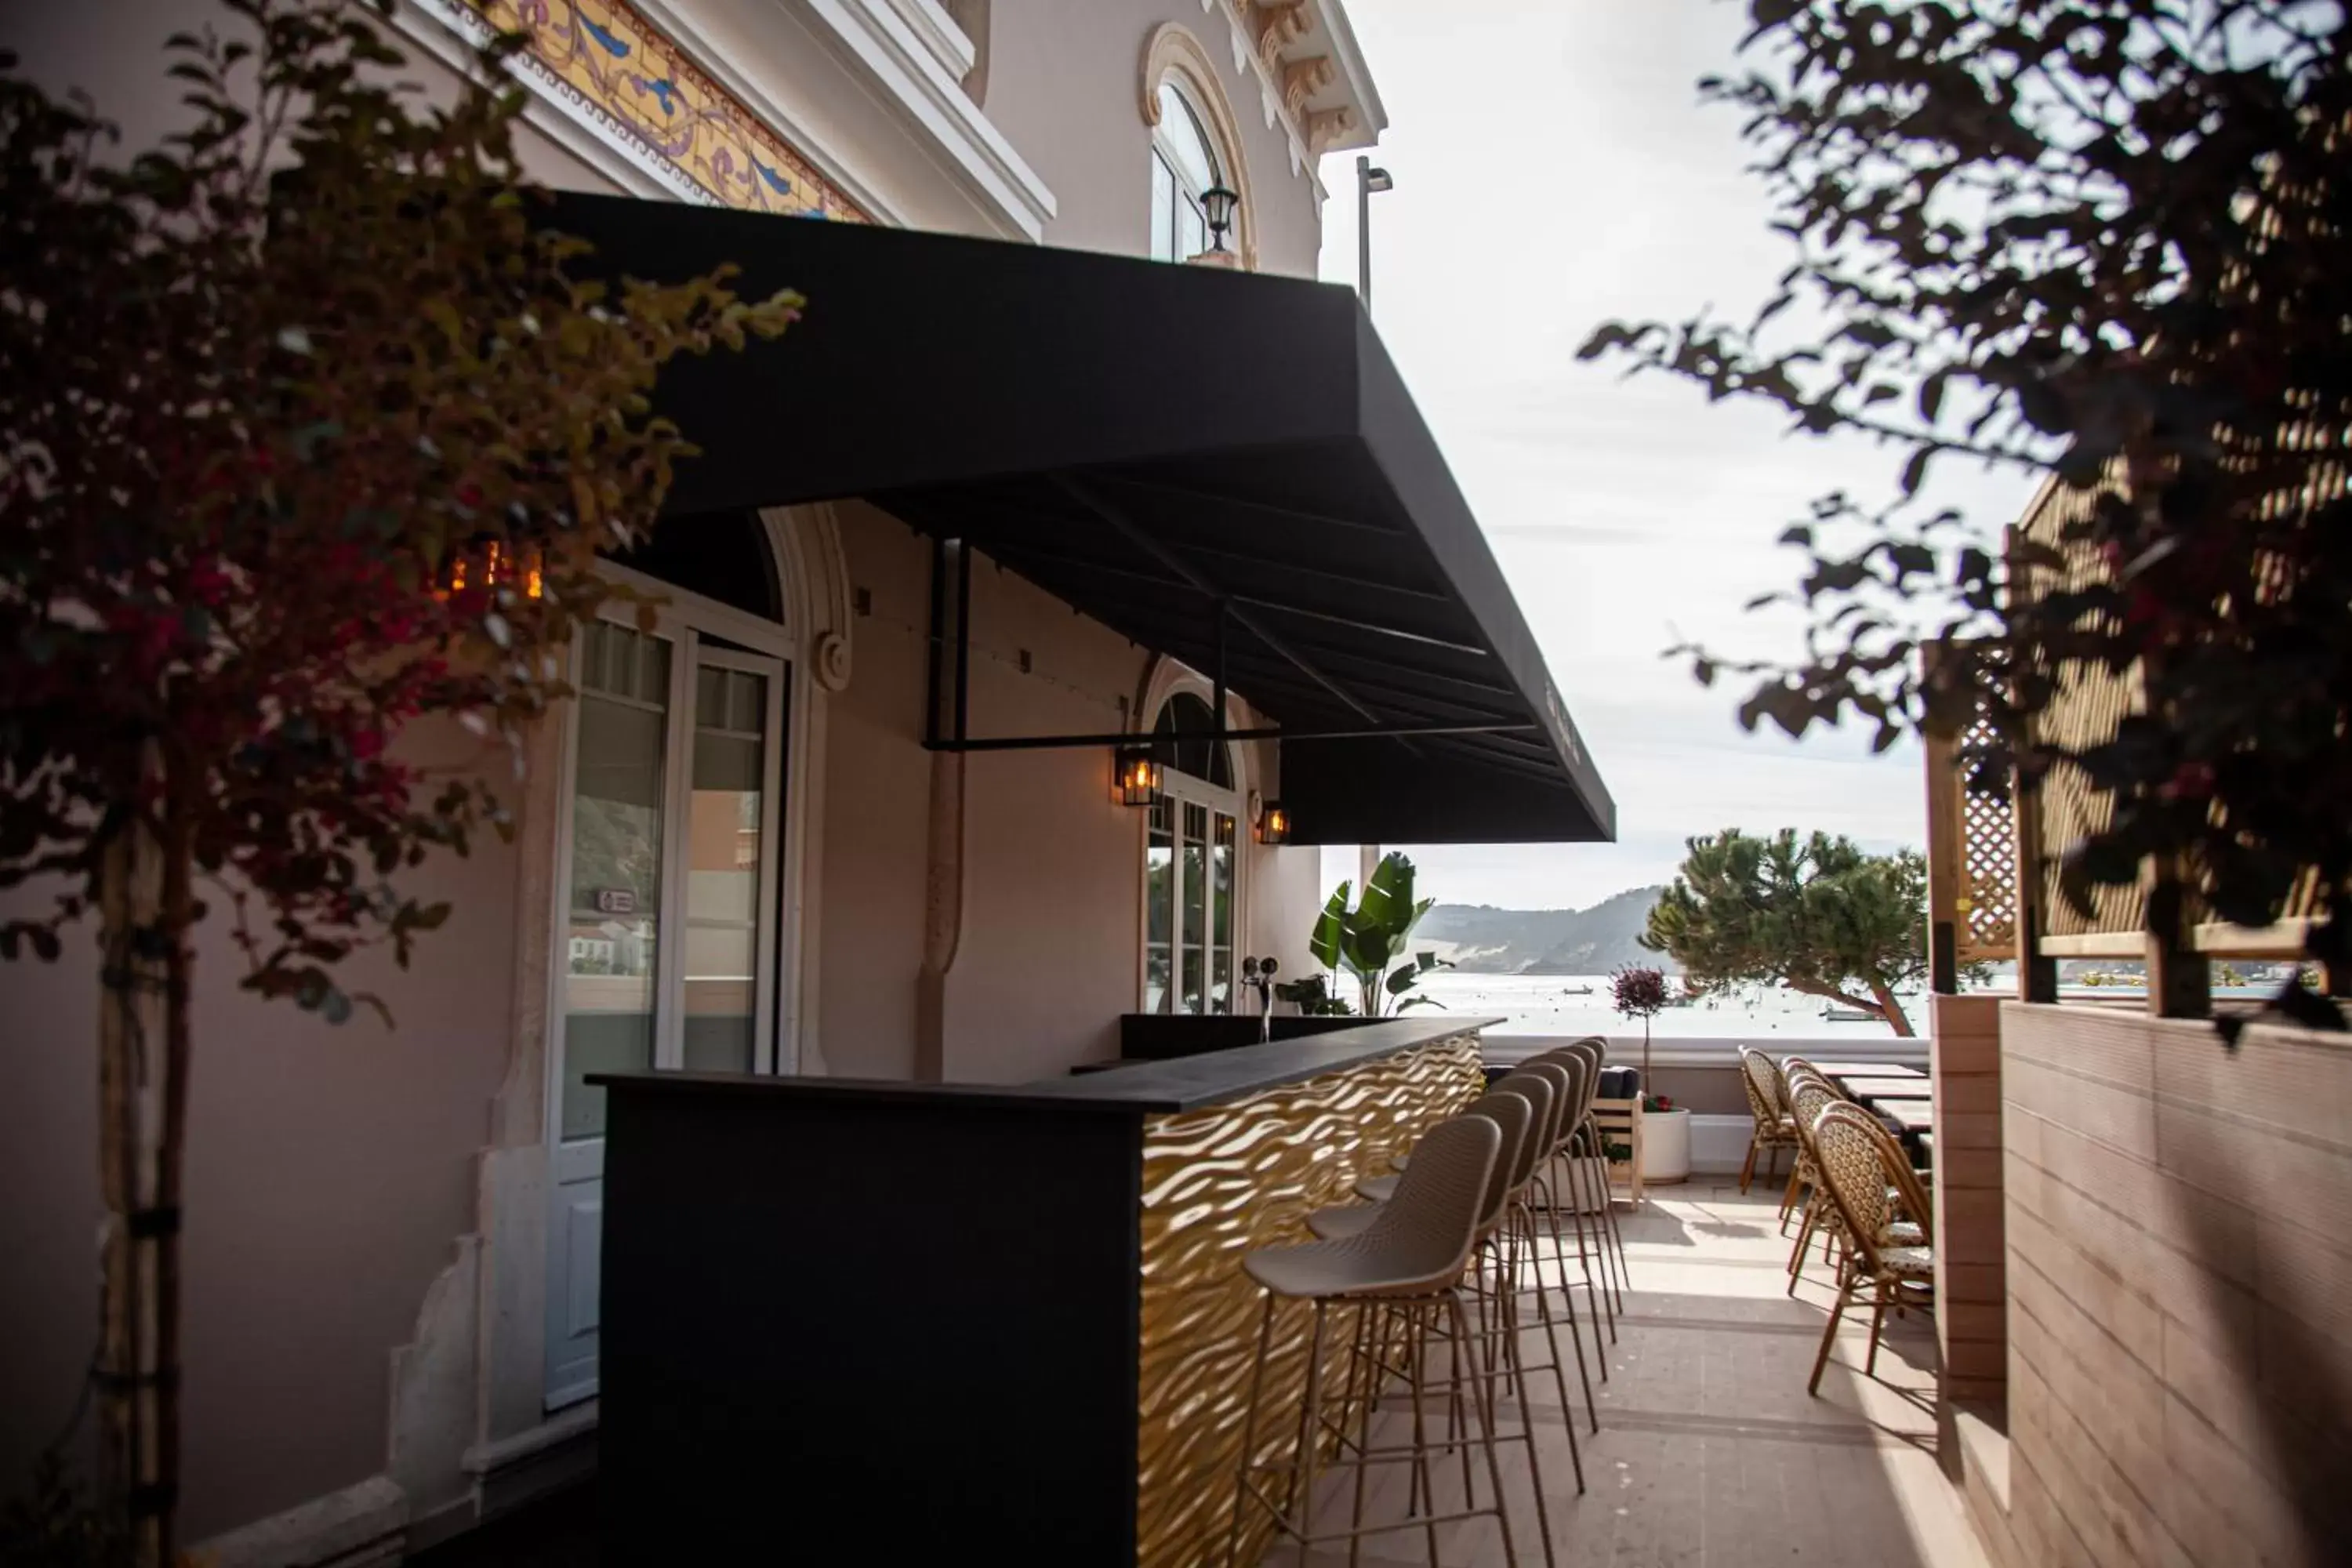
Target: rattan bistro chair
1768, 1102
1408, 1259
1859, 1168
1810, 1094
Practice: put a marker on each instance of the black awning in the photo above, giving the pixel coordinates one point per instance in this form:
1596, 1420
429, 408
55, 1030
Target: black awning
1141, 441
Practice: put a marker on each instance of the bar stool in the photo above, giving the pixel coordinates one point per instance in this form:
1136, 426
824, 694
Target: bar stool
1596, 1048
1523, 1261
1566, 1076
1594, 1052
1521, 1107
1587, 1190
1408, 1261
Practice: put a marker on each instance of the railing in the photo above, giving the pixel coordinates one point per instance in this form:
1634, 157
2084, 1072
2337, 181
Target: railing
1994, 846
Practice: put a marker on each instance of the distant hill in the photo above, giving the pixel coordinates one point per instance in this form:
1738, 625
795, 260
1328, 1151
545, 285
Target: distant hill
1482, 940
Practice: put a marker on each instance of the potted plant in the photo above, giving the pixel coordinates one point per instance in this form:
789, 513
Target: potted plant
1640, 993
1368, 941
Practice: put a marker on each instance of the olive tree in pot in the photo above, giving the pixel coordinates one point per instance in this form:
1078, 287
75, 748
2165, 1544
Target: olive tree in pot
1640, 993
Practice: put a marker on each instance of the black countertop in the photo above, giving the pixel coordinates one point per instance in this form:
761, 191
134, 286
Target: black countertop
1186, 1083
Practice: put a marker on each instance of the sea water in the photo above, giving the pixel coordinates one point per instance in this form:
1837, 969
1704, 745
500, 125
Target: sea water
1578, 1004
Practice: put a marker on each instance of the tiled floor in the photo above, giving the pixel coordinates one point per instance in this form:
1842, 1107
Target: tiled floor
1709, 1456
1710, 1453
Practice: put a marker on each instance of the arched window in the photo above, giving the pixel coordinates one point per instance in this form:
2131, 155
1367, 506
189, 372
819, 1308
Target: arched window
1185, 167
1191, 866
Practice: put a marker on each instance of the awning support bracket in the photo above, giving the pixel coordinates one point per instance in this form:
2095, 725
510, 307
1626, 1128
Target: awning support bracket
1127, 528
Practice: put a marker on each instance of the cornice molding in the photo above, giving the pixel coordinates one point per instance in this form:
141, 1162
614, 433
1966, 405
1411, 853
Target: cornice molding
1300, 50
905, 67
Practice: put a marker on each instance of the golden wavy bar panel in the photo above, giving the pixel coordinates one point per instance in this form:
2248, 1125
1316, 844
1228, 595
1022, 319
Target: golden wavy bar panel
968, 1313
1217, 1185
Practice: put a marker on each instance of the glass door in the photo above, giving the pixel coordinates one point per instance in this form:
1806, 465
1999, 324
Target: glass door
667, 951
1190, 887
727, 967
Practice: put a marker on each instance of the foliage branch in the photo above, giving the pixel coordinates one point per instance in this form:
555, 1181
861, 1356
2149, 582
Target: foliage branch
1815, 915
311, 430
2102, 241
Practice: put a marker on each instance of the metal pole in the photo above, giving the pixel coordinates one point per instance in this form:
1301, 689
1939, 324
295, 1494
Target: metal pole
963, 639
1225, 615
1364, 231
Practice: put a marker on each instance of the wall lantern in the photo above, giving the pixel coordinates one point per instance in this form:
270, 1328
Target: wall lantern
1274, 824
1139, 777
1217, 206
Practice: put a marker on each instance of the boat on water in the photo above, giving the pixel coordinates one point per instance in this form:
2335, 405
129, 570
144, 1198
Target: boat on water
1575, 990
1832, 1013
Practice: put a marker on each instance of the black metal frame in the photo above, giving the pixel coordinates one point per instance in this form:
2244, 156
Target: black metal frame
959, 739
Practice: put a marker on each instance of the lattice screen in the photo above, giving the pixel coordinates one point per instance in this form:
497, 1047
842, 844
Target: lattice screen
1985, 909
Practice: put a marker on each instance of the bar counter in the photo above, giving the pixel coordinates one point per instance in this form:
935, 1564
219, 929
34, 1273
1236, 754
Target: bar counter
850, 1321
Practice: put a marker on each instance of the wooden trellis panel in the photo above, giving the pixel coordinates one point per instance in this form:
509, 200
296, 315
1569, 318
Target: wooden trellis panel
1985, 912
1971, 853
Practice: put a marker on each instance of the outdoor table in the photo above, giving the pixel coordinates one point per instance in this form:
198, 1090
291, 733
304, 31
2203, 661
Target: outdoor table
1916, 1118
1872, 1090
1840, 1071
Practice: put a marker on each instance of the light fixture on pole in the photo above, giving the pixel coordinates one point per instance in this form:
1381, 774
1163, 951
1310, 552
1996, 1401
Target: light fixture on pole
1217, 205
1368, 180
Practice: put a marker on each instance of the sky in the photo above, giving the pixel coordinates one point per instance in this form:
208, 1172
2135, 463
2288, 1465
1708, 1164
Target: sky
1555, 169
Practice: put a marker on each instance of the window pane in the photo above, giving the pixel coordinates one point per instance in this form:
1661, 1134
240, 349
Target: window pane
1181, 133
724, 858
1160, 879
1196, 901
616, 850
1221, 924
1157, 996
1220, 917
1191, 233
1163, 209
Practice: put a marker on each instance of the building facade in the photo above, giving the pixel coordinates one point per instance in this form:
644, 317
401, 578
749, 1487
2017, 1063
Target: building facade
736, 850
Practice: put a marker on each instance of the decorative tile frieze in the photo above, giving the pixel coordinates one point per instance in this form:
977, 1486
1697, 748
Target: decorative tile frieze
608, 64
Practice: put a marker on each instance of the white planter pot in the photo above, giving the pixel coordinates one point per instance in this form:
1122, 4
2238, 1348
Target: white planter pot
1665, 1146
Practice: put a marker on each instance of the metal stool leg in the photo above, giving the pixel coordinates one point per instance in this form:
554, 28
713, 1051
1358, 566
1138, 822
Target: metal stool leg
1486, 1440
1249, 1432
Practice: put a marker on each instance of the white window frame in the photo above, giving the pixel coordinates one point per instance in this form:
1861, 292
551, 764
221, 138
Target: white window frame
1182, 789
1182, 193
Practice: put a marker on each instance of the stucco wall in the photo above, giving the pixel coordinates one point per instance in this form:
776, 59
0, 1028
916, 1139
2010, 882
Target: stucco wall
329, 1170
877, 790
2180, 1238
113, 49
1065, 85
